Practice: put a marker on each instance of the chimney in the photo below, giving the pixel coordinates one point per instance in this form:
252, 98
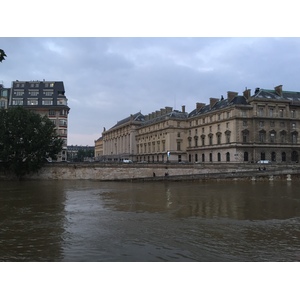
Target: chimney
213, 101
163, 111
183, 108
157, 113
247, 93
278, 90
169, 109
231, 95
199, 105
147, 118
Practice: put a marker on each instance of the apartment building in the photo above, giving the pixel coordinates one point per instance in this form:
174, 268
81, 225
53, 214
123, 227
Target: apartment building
4, 96
46, 98
238, 128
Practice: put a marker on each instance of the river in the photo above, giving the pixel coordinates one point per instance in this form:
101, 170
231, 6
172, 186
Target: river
90, 221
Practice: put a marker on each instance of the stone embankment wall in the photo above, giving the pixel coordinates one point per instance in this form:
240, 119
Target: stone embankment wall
114, 172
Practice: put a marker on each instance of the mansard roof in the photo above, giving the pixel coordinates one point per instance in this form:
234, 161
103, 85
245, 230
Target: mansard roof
222, 103
137, 117
272, 94
174, 114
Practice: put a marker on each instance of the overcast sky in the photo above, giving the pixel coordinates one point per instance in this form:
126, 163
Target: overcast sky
108, 78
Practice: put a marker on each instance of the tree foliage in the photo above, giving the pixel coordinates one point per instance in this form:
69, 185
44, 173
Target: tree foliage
2, 55
26, 140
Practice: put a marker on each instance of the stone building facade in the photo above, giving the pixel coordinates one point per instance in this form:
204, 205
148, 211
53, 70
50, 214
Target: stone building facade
240, 128
45, 98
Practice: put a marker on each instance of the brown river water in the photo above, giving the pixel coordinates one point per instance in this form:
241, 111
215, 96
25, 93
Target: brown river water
90, 221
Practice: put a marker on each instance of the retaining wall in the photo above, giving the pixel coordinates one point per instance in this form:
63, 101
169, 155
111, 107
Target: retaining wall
114, 172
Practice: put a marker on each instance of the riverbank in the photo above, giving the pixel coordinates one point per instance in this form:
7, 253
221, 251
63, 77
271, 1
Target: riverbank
155, 172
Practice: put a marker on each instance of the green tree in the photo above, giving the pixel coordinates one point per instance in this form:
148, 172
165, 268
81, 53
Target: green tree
26, 140
2, 55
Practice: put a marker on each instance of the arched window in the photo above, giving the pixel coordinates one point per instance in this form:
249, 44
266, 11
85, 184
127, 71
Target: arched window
245, 134
273, 156
219, 156
295, 156
203, 157
227, 156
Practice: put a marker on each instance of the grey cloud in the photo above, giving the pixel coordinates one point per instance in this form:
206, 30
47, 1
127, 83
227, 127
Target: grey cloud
106, 79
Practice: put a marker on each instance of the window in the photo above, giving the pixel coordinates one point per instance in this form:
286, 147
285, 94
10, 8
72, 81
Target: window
219, 139
203, 140
271, 112
48, 93
178, 134
52, 113
260, 111
61, 102
293, 114
293, 125
272, 137
227, 156
245, 136
281, 113
17, 102
62, 122
178, 146
219, 156
32, 102
203, 157
294, 137
33, 93
210, 139
47, 102
272, 123
245, 123
262, 136
210, 157
283, 137
2, 104
261, 124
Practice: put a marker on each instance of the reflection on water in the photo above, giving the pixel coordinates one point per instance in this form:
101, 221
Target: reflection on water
153, 221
